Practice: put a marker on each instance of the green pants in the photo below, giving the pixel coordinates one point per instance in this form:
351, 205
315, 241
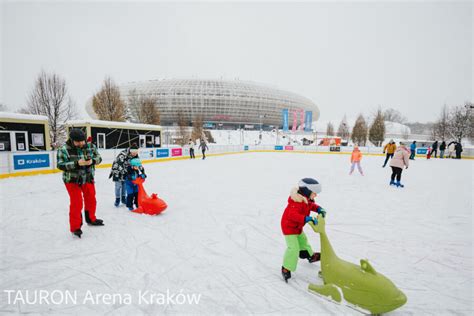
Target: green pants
295, 244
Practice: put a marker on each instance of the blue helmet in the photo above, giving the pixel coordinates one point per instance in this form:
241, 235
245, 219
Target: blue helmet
135, 162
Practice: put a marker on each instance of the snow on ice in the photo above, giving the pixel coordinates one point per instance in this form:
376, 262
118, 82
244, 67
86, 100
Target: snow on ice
220, 238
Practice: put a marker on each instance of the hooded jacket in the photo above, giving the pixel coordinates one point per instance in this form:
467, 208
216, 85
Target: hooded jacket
293, 218
401, 158
390, 148
119, 167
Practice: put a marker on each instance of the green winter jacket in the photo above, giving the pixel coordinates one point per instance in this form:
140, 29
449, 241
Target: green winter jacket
67, 161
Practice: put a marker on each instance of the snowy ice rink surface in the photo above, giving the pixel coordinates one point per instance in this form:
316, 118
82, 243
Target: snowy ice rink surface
221, 238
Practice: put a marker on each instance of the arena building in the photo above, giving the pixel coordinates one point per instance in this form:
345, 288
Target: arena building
221, 103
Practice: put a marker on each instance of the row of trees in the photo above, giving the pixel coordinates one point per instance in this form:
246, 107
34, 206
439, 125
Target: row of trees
361, 131
108, 105
455, 123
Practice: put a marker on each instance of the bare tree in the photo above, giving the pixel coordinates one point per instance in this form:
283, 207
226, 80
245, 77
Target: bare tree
359, 132
377, 129
50, 97
460, 124
441, 126
147, 110
107, 103
197, 127
392, 115
343, 129
330, 130
208, 137
182, 129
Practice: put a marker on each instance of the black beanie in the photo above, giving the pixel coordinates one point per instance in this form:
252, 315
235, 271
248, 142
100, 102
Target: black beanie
77, 135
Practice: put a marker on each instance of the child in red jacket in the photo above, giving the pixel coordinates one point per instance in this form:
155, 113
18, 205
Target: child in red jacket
296, 215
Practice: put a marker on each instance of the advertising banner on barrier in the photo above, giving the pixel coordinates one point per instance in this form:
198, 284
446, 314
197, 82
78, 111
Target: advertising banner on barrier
145, 153
421, 151
278, 147
308, 121
162, 153
246, 147
285, 114
288, 147
22, 162
175, 152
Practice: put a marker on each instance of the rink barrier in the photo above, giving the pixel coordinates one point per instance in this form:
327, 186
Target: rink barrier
44, 162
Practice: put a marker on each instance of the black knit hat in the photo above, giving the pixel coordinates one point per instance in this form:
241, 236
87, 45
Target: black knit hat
77, 135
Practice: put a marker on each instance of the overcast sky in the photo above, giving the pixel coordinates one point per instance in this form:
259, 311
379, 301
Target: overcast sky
348, 57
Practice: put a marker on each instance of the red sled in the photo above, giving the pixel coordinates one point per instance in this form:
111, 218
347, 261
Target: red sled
151, 205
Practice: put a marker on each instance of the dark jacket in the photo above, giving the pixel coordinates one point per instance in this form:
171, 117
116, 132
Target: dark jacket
458, 148
203, 146
133, 174
435, 145
119, 167
68, 158
442, 146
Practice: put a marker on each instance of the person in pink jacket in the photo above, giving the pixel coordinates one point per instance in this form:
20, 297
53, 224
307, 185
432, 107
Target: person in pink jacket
400, 159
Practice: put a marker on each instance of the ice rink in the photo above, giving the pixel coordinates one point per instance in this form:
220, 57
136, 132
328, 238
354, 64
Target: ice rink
220, 236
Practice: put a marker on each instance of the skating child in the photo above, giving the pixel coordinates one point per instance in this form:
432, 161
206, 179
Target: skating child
296, 215
134, 170
428, 153
356, 157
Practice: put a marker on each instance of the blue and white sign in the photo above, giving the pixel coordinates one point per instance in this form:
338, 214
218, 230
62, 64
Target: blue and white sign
21, 162
246, 147
421, 151
162, 153
278, 147
285, 114
308, 120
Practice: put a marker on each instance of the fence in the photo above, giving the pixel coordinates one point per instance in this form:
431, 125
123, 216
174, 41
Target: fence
12, 163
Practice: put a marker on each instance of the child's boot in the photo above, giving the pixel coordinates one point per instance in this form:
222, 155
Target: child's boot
117, 202
315, 257
400, 185
392, 182
124, 199
130, 202
286, 274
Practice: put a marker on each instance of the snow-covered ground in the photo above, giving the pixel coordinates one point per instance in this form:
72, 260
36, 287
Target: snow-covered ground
221, 238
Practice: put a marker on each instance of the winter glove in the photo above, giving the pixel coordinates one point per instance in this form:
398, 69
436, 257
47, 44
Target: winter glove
321, 211
310, 219
143, 176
